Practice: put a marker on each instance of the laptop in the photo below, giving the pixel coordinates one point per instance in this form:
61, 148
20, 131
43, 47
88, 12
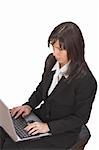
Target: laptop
15, 127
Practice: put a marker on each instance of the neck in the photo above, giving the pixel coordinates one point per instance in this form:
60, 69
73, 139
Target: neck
61, 65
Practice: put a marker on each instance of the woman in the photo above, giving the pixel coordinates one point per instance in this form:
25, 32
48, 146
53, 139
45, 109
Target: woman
67, 88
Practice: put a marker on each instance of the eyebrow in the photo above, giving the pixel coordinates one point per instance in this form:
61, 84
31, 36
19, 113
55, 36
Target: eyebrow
56, 47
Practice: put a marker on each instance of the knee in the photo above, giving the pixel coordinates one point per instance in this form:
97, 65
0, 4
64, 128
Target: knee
3, 134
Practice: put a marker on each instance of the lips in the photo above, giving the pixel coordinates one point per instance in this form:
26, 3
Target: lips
57, 58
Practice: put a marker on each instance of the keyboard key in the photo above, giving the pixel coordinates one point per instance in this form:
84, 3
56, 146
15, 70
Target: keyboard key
19, 125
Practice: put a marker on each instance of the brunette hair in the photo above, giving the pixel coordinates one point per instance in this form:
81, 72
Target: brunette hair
70, 38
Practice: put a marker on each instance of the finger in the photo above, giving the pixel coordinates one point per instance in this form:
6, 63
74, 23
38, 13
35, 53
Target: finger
29, 127
14, 111
18, 114
24, 114
33, 130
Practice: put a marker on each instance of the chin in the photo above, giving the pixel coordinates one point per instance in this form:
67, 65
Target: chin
60, 61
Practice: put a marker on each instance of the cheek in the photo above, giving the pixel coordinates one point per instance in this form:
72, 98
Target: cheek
64, 59
64, 56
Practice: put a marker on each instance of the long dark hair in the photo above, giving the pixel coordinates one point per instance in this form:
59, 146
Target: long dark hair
70, 38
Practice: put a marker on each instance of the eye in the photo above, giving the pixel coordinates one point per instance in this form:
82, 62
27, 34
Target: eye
60, 49
57, 48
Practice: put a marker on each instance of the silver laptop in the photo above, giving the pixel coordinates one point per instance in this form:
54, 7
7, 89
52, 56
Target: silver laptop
9, 124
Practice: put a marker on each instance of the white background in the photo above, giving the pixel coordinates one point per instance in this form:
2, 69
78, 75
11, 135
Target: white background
24, 29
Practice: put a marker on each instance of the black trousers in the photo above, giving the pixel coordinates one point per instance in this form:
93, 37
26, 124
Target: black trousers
39, 144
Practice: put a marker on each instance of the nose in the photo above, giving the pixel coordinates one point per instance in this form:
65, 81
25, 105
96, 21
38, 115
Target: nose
56, 52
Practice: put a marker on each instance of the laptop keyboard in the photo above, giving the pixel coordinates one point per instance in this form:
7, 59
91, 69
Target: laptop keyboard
19, 125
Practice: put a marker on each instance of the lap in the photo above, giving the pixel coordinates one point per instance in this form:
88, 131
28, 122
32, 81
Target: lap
39, 144
28, 145
3, 134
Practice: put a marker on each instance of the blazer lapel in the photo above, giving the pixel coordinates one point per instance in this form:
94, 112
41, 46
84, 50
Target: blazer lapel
59, 87
47, 82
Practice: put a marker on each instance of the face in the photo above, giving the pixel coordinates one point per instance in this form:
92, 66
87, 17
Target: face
60, 54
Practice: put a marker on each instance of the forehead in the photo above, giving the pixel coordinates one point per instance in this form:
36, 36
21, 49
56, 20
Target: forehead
56, 44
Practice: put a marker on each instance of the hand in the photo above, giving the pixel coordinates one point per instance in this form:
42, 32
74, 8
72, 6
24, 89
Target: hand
37, 127
20, 110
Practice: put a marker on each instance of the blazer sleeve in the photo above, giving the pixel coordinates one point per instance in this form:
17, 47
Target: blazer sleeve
84, 96
37, 96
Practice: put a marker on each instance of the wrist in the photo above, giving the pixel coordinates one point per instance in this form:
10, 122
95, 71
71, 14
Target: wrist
47, 127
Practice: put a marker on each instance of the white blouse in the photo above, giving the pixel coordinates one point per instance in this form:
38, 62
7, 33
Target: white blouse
58, 75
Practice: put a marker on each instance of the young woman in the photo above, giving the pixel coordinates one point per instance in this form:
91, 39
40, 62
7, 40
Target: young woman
68, 90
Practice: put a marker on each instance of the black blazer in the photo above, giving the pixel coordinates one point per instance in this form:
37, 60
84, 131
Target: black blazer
67, 108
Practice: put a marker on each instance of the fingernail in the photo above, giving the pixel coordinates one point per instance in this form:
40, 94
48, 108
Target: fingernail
15, 117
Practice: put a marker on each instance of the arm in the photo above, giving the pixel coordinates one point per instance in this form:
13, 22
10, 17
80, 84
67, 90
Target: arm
37, 96
84, 96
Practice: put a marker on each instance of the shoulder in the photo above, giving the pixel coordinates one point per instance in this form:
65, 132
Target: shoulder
50, 58
49, 62
88, 81
89, 77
